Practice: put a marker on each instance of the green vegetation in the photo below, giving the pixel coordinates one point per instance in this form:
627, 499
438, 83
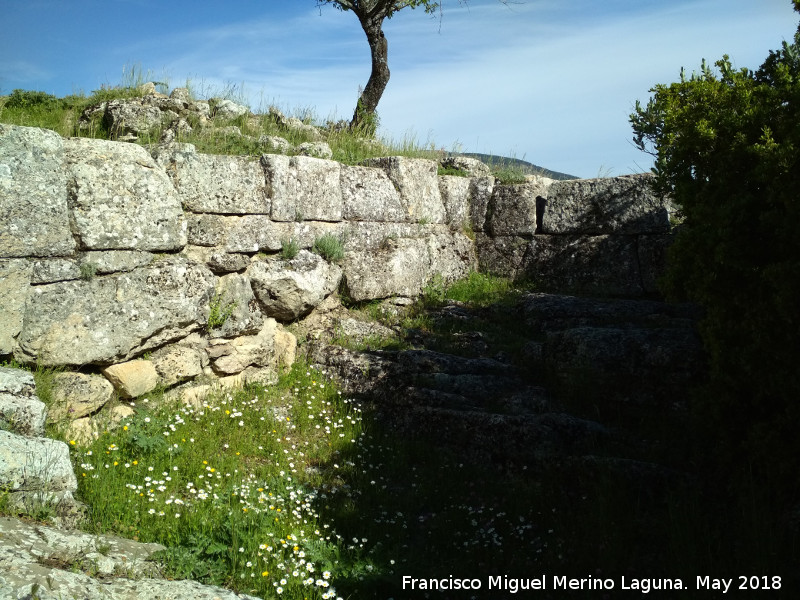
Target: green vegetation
329, 247
218, 311
289, 249
726, 145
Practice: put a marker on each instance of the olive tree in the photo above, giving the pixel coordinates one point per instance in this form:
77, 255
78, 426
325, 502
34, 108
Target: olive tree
371, 15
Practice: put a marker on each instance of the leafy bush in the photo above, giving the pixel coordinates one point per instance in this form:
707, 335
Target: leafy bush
329, 247
218, 312
727, 148
28, 99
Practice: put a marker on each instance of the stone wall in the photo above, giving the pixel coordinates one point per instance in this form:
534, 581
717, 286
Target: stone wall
164, 268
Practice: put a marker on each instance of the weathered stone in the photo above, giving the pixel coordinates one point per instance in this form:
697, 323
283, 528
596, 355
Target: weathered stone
369, 195
290, 289
217, 184
78, 395
234, 297
227, 109
302, 187
275, 143
417, 182
21, 411
620, 205
130, 118
605, 265
80, 322
207, 230
227, 262
95, 567
501, 255
177, 363
253, 233
512, 208
34, 219
120, 199
455, 197
315, 149
54, 269
652, 253
30, 464
234, 356
15, 280
114, 261
403, 266
645, 365
480, 193
472, 166
133, 378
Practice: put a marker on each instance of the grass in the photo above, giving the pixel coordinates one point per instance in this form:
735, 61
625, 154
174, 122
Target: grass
329, 247
38, 109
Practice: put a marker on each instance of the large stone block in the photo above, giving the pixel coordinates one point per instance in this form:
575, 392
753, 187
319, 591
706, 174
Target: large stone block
618, 205
303, 188
114, 318
605, 265
455, 197
290, 289
368, 195
217, 184
417, 182
235, 300
133, 378
512, 209
120, 199
34, 464
403, 266
34, 218
15, 280
21, 411
77, 395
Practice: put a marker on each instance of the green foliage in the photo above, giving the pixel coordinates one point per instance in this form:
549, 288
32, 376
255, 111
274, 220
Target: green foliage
87, 271
727, 147
28, 99
219, 312
289, 248
329, 247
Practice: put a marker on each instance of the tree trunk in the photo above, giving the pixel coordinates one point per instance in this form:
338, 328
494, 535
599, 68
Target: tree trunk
364, 115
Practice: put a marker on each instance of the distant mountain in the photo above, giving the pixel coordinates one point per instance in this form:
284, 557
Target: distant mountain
500, 162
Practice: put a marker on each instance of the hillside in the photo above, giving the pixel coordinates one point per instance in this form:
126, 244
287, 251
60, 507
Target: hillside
504, 162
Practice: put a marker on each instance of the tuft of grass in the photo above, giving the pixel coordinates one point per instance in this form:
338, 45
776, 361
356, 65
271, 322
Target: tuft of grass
289, 248
219, 312
329, 247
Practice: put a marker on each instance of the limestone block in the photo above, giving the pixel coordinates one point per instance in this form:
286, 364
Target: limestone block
253, 233
131, 118
370, 235
120, 199
290, 289
229, 357
218, 184
15, 280
34, 463
77, 395
401, 267
33, 194
50, 270
177, 363
620, 205
234, 293
472, 166
303, 188
114, 261
133, 378
512, 208
114, 318
480, 192
21, 411
417, 182
455, 197
501, 255
316, 149
368, 195
285, 348
605, 265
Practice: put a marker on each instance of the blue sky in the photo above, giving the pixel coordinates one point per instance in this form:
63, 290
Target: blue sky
549, 81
